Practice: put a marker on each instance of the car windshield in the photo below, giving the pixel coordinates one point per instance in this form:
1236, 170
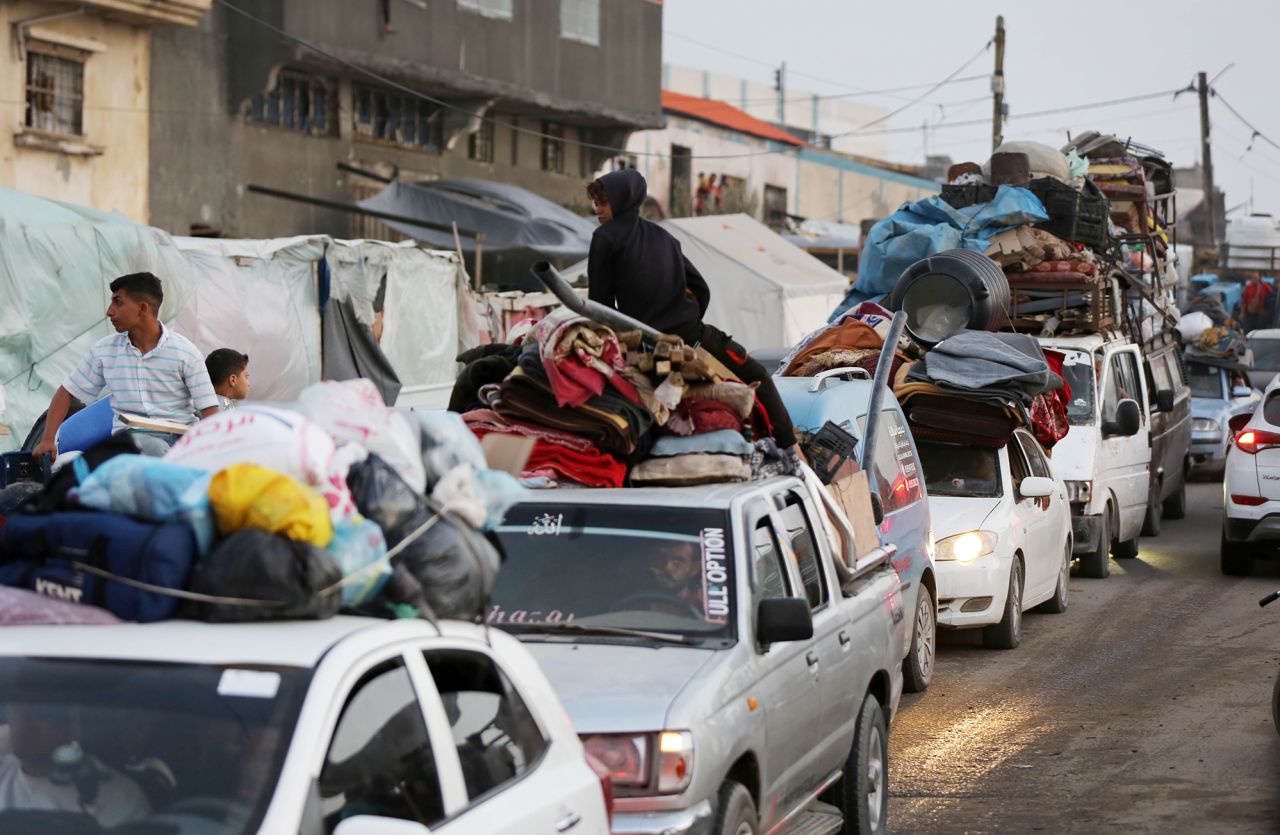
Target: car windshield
955, 470
1204, 380
133, 748
1266, 353
1078, 370
657, 569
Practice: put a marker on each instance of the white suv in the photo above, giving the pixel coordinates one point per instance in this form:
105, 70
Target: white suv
1251, 486
351, 726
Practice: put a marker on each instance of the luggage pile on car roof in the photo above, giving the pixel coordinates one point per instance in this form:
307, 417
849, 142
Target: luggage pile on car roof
333, 503
607, 409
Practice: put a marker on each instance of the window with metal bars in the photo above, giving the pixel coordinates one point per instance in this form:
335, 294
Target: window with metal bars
298, 102
480, 143
55, 89
388, 116
553, 147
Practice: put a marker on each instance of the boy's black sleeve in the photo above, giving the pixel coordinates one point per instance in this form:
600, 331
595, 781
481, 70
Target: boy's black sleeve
697, 285
599, 276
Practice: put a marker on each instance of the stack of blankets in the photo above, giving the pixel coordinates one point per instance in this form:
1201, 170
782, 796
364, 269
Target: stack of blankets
604, 411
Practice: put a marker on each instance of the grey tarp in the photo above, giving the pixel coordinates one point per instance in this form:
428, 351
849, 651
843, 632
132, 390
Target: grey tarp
350, 351
1001, 364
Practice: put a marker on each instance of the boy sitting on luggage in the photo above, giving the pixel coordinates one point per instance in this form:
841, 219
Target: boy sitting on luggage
639, 268
229, 373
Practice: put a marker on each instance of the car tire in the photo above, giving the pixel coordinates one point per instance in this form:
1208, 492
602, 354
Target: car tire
1175, 507
735, 811
1057, 604
1007, 634
917, 667
1151, 522
862, 792
1235, 558
1126, 550
1097, 563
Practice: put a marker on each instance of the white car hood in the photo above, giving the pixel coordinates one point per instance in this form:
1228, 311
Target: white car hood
955, 514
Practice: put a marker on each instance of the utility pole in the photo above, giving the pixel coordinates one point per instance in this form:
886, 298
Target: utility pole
780, 84
1206, 162
997, 88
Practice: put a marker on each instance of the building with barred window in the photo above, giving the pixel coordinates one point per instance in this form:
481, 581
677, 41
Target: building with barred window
303, 95
75, 93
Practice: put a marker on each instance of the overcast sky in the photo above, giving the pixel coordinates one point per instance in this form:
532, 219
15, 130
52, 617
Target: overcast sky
1057, 55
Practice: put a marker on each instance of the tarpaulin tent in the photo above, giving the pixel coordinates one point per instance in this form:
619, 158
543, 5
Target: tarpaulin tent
262, 297
765, 292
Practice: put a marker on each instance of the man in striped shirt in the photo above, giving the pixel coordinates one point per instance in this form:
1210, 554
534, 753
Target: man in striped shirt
149, 370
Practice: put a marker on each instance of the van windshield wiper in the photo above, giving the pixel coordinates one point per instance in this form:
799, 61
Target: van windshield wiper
588, 629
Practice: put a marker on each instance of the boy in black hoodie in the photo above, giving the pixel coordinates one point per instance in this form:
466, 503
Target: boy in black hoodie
638, 267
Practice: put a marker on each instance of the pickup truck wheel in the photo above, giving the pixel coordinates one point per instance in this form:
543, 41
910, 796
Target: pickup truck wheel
1175, 507
1151, 522
917, 667
1057, 604
1007, 634
1097, 563
1236, 558
862, 792
736, 814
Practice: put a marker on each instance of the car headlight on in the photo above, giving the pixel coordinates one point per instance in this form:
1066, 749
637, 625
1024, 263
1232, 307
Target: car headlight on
629, 760
1079, 491
1204, 425
966, 547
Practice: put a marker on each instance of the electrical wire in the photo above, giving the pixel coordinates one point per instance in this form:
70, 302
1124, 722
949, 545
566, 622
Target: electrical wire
1257, 134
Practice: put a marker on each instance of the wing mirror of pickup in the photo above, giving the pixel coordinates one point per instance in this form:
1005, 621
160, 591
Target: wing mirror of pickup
1164, 400
1240, 391
1126, 422
781, 619
376, 825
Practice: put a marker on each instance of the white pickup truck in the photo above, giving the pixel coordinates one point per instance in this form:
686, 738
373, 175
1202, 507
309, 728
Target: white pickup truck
349, 726
717, 649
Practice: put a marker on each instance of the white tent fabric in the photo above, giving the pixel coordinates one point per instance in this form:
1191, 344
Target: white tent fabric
765, 291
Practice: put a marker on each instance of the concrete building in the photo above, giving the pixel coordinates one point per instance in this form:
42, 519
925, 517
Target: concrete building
765, 172
75, 92
279, 98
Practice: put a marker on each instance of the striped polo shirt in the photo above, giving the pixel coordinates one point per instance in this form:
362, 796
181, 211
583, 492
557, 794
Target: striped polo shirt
169, 382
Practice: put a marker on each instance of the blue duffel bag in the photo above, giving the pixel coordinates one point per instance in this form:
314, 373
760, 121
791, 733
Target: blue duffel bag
40, 552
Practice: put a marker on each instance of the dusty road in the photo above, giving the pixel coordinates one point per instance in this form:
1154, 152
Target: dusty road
1144, 708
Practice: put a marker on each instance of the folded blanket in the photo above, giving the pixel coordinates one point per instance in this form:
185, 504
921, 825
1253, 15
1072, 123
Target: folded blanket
722, 441
487, 420
740, 396
691, 469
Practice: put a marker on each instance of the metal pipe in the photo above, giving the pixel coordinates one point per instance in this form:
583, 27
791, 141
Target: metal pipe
555, 283
20, 27
338, 205
352, 169
884, 367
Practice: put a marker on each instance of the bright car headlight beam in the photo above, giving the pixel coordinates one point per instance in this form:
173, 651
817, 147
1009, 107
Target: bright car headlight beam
967, 547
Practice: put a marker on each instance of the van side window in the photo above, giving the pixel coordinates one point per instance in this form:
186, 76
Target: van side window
380, 760
497, 738
1176, 375
770, 578
803, 545
1122, 383
1158, 377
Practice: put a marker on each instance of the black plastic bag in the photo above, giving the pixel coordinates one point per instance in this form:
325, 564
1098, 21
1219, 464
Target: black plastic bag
254, 565
454, 563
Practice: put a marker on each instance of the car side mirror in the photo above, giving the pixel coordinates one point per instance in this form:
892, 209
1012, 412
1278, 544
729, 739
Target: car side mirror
1127, 420
1241, 391
1164, 400
781, 619
877, 508
1035, 487
1237, 422
375, 825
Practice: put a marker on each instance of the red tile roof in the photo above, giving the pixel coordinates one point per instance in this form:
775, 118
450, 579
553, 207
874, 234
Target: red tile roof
725, 115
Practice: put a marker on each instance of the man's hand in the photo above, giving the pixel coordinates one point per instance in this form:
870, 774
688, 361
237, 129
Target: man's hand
47, 446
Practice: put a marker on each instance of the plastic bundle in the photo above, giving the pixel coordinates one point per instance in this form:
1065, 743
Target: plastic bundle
453, 562
262, 576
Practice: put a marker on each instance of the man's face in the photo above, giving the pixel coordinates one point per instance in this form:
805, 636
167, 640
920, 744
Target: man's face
673, 566
125, 312
239, 385
603, 208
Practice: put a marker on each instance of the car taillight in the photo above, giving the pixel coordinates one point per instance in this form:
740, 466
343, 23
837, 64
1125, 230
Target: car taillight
606, 784
1247, 501
1254, 441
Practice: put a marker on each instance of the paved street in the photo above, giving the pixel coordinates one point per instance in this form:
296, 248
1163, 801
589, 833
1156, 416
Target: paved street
1144, 708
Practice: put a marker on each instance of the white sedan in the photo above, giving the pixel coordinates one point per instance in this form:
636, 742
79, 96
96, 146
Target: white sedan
1003, 530
346, 726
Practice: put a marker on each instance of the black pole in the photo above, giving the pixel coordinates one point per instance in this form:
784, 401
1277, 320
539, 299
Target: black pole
338, 205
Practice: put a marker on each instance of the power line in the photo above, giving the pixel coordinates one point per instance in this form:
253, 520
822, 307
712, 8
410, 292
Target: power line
1257, 134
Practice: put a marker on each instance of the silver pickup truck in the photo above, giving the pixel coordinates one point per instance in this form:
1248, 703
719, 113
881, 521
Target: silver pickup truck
733, 671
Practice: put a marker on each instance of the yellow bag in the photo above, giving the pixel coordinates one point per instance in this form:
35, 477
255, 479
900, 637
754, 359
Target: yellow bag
250, 496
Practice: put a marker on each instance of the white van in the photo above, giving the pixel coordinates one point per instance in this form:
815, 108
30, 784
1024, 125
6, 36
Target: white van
1105, 457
